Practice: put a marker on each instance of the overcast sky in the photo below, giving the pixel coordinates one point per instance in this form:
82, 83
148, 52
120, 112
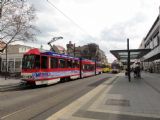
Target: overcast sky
105, 22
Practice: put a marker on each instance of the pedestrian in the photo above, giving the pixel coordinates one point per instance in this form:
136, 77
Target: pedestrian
126, 72
137, 71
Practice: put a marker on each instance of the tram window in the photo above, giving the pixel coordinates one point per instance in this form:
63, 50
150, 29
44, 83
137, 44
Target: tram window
44, 62
89, 67
69, 63
76, 64
54, 62
37, 61
62, 63
83, 67
73, 64
92, 67
28, 62
86, 67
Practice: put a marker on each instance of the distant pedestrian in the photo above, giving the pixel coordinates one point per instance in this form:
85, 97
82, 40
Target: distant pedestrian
137, 71
126, 72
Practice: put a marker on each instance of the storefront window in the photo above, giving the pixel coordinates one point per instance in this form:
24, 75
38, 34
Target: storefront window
10, 66
3, 66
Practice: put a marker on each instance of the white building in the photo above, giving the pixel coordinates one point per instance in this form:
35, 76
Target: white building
152, 41
14, 58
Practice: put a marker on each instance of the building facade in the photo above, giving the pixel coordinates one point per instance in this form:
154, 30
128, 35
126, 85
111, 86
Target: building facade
58, 49
90, 51
151, 61
14, 58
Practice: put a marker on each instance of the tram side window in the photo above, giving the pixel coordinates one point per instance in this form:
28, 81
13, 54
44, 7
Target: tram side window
76, 64
91, 67
44, 62
88, 67
54, 63
73, 64
85, 67
37, 61
62, 63
69, 64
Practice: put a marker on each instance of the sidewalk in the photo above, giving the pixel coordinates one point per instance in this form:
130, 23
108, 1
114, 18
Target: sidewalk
117, 99
8, 83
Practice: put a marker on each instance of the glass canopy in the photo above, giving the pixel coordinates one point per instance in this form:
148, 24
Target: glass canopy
134, 53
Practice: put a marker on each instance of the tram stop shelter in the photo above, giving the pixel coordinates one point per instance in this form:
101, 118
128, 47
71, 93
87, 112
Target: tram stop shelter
129, 54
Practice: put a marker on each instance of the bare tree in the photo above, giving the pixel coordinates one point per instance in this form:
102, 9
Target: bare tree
16, 21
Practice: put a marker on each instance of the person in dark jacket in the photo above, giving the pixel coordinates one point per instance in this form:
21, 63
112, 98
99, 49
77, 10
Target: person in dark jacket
137, 71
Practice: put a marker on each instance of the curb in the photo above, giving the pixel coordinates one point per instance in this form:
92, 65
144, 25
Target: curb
70, 109
10, 87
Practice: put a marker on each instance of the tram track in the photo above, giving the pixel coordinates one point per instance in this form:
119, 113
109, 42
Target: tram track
12, 87
50, 101
46, 100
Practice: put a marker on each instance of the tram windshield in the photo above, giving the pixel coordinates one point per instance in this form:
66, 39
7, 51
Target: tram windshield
31, 62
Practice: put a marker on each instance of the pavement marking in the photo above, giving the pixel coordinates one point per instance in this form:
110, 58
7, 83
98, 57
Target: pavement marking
126, 113
117, 102
12, 113
111, 116
75, 118
70, 109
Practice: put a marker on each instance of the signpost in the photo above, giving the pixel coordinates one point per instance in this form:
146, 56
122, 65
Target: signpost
128, 65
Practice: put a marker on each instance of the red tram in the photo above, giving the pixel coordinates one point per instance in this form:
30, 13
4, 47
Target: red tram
48, 67
98, 68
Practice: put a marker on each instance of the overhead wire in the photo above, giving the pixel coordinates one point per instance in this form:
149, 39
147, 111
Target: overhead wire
69, 19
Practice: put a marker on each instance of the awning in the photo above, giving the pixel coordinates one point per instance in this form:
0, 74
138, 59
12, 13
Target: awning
134, 53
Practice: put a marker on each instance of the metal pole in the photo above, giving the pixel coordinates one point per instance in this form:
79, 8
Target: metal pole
6, 63
74, 49
95, 66
80, 67
129, 76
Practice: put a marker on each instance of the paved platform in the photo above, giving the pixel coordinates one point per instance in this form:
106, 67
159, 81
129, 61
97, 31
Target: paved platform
117, 99
8, 81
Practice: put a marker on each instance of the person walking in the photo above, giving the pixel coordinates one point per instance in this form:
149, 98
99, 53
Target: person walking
137, 71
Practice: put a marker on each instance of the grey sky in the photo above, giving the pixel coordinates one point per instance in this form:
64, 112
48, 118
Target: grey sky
105, 22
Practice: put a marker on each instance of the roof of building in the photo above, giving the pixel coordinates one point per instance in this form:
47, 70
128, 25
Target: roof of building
19, 45
60, 47
157, 19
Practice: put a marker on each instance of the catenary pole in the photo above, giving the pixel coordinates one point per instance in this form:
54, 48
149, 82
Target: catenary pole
128, 65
